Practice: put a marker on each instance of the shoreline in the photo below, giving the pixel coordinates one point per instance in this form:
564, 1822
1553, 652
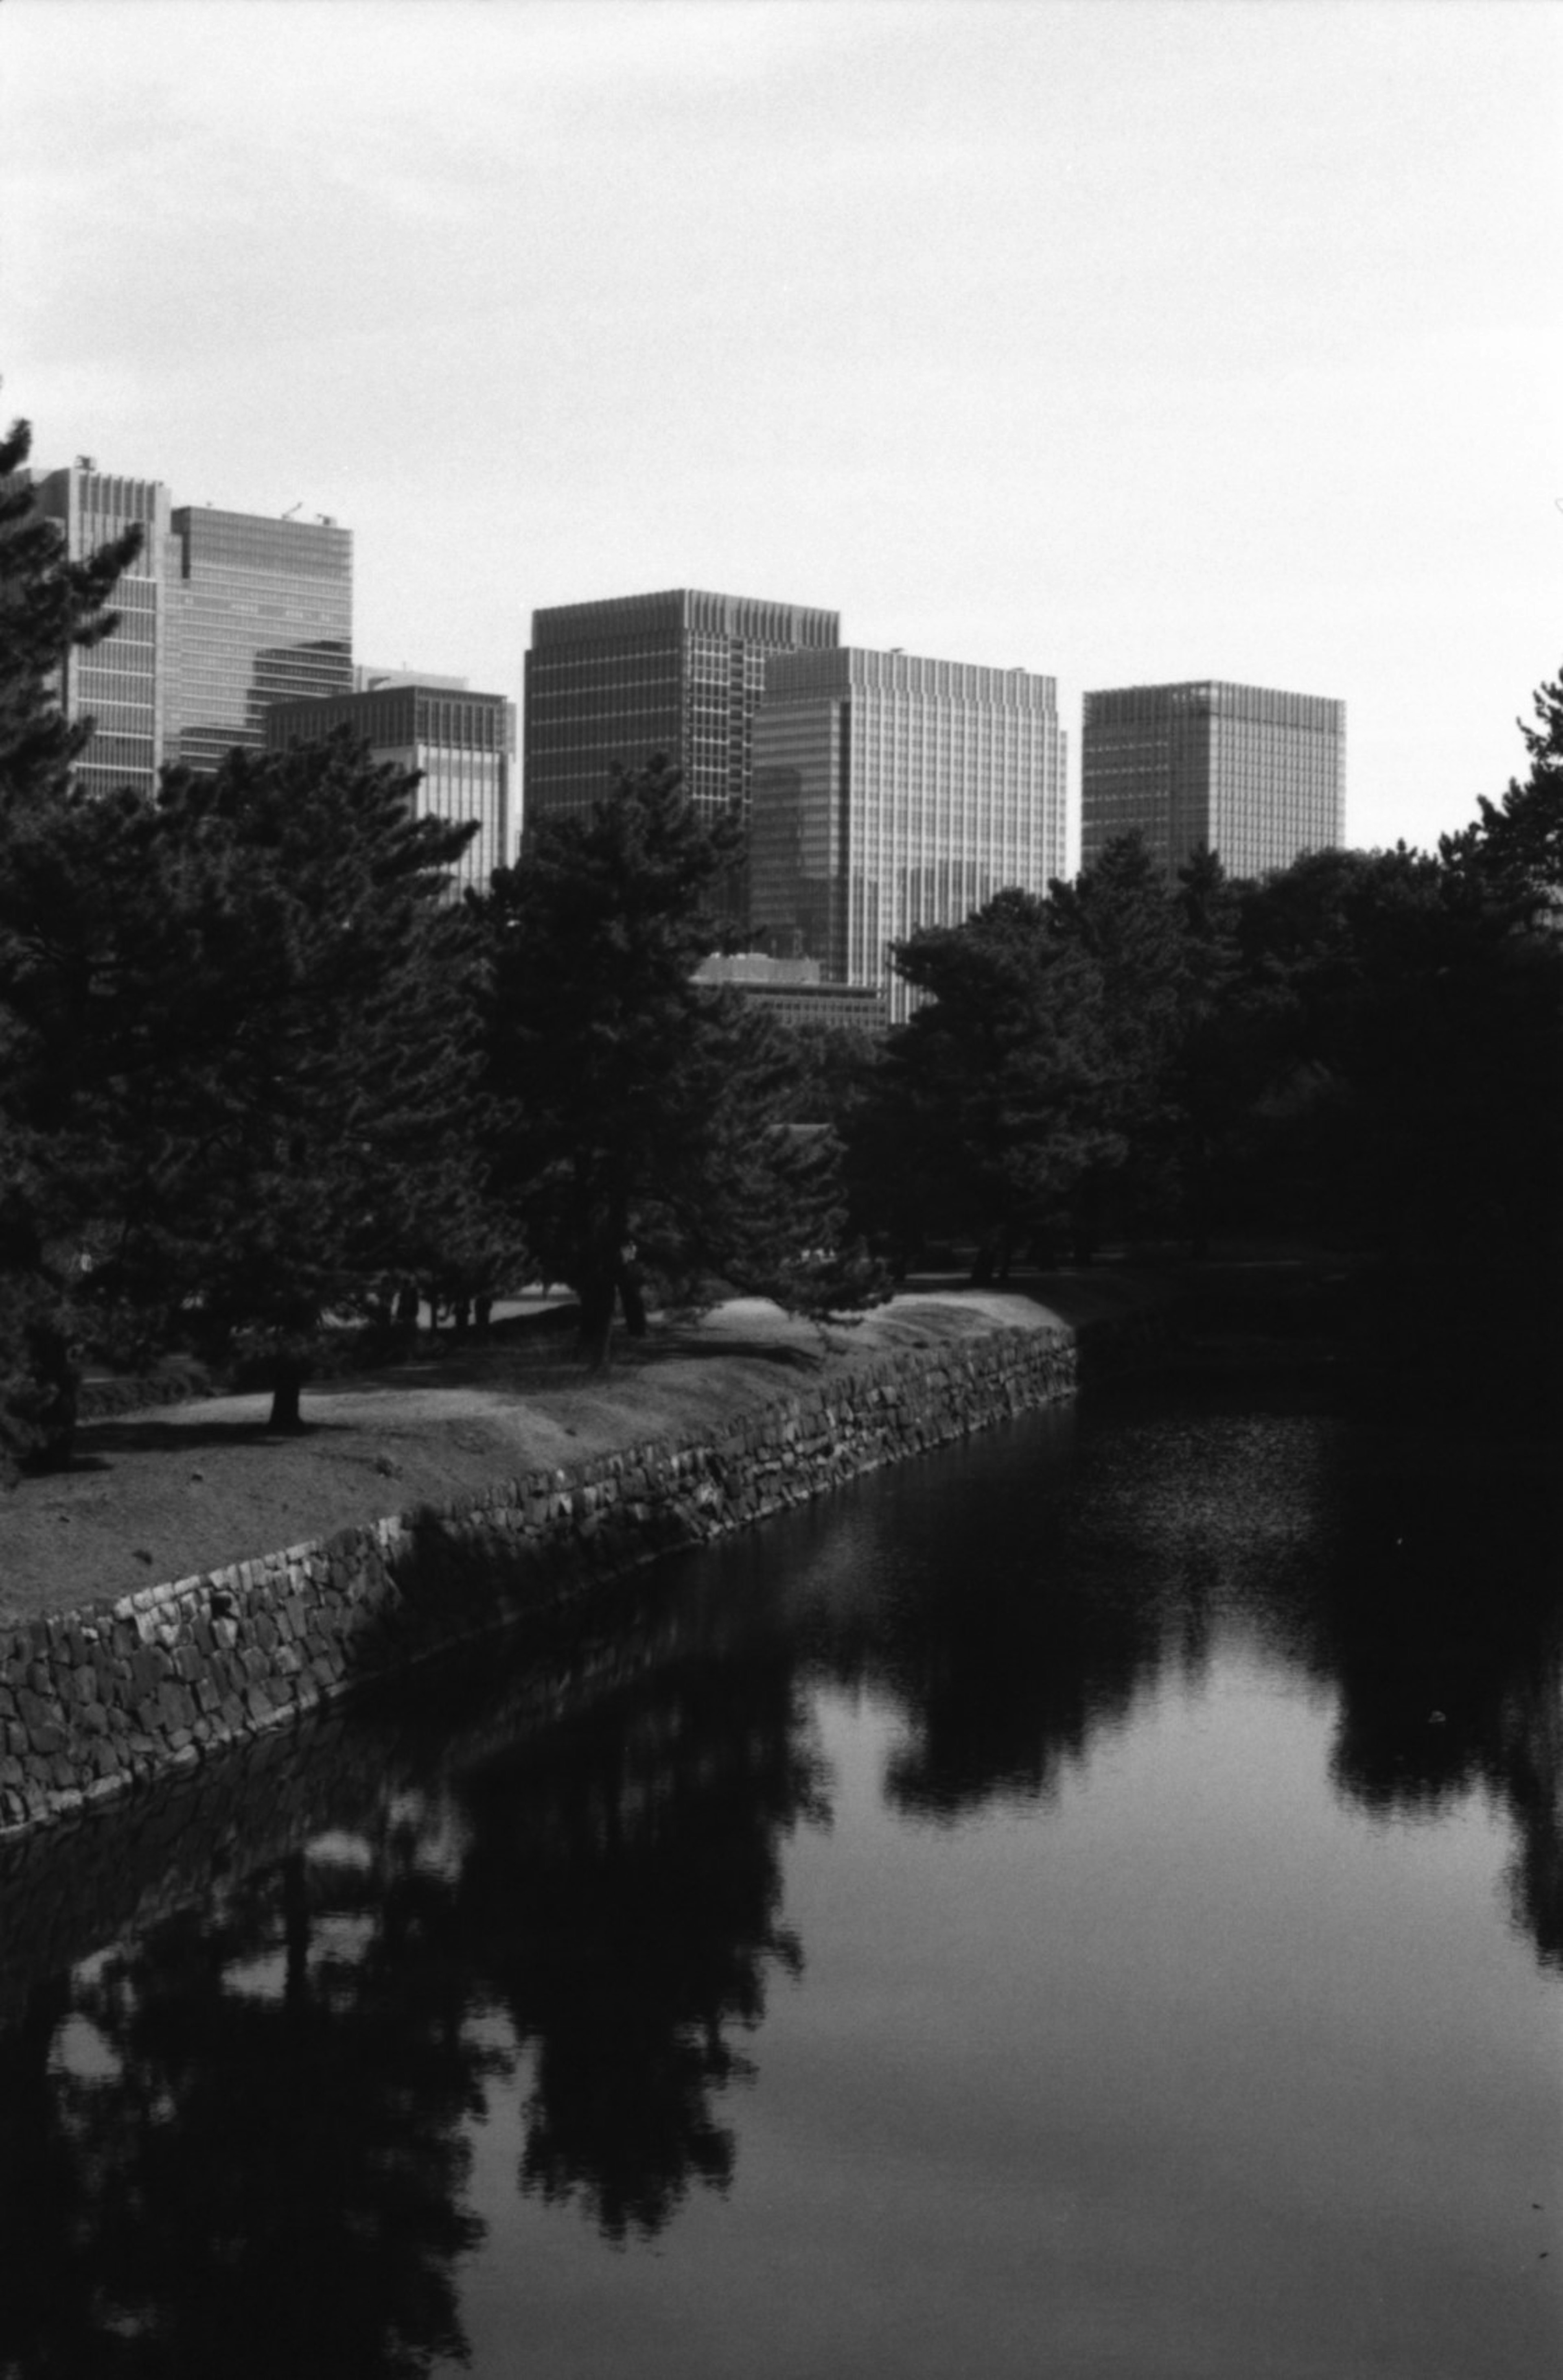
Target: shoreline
158, 1491
103, 1695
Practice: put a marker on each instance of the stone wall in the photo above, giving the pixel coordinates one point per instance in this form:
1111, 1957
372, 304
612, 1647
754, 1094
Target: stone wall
121, 1692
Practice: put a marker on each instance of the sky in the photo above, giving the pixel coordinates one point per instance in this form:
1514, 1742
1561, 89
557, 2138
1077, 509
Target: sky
1121, 342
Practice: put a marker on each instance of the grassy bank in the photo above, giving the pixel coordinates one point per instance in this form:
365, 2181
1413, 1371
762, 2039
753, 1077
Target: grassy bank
163, 1491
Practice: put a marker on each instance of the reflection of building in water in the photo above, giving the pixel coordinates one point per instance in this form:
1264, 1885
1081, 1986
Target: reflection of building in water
891, 793
221, 613
1257, 776
790, 990
461, 743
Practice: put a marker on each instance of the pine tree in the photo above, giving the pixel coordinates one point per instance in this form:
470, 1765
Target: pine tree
1121, 915
48, 603
648, 1116
985, 1110
1515, 847
316, 1053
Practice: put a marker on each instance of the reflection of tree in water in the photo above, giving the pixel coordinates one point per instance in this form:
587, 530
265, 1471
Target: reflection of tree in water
1004, 1682
622, 1901
235, 2146
1440, 1625
1412, 1580
1025, 1613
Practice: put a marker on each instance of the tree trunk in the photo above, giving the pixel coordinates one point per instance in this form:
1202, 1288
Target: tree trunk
287, 1381
633, 1301
596, 1322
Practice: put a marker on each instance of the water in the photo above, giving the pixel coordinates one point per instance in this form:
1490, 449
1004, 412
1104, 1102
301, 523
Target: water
1089, 1904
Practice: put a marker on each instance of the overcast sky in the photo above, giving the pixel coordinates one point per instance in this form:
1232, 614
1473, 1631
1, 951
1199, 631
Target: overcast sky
1123, 342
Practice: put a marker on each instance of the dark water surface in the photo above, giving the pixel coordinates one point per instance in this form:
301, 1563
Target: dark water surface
1089, 1904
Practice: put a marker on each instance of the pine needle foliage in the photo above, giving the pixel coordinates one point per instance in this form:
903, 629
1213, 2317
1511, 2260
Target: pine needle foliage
48, 604
316, 1053
650, 1127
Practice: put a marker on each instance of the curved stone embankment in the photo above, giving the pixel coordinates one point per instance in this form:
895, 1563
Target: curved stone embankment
120, 1693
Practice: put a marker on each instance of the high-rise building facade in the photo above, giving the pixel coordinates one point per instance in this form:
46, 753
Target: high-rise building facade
891, 793
118, 684
1255, 776
462, 742
221, 613
260, 612
679, 673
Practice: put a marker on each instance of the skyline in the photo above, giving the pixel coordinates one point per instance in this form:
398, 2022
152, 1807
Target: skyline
1127, 346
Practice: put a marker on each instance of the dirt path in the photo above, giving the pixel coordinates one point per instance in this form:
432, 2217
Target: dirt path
159, 1494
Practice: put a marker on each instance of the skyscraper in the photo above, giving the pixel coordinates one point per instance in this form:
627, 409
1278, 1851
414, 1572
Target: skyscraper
891, 793
259, 611
1257, 776
220, 614
462, 742
679, 673
118, 684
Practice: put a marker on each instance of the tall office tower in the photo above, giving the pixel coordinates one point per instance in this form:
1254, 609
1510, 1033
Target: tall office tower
259, 611
679, 673
463, 743
891, 793
119, 683
1256, 776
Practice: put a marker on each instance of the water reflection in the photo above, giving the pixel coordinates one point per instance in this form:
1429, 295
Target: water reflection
236, 2145
1414, 1577
621, 1902
241, 2139
239, 2142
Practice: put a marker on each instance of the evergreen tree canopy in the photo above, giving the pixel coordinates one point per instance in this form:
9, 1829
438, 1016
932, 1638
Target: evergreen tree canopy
240, 1038
47, 604
987, 1107
1123, 916
1515, 847
650, 1117
314, 1053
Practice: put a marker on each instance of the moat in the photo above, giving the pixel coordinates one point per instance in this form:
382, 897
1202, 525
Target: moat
1091, 1902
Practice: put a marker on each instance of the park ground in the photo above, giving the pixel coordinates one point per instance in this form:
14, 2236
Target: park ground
163, 1491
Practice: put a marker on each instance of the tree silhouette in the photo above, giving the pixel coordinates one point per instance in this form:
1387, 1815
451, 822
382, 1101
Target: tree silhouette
651, 1119
623, 1905
260, 2168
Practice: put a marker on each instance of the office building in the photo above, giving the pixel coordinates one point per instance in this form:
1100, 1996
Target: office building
679, 673
259, 611
221, 613
793, 991
462, 742
891, 793
118, 684
1255, 776
367, 676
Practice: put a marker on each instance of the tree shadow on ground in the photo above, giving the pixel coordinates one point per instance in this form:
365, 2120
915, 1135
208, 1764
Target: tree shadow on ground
101, 1440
